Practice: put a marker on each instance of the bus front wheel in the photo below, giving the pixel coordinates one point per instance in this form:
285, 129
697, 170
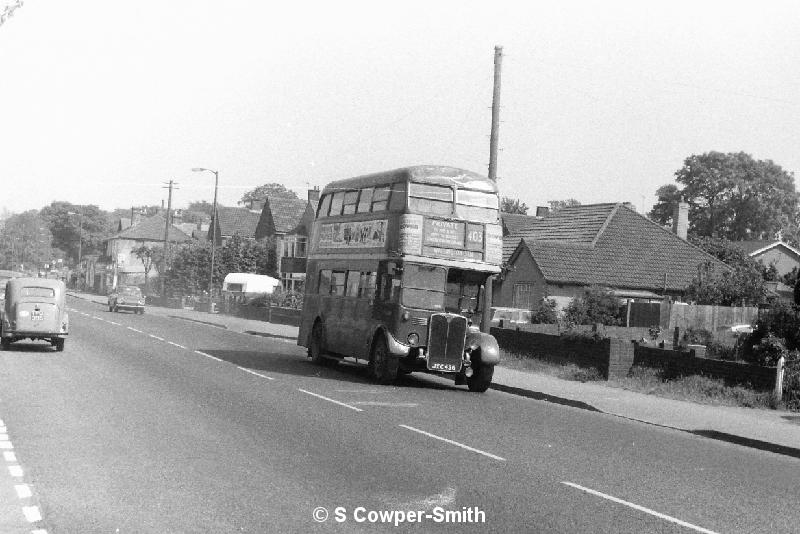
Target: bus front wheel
481, 378
383, 366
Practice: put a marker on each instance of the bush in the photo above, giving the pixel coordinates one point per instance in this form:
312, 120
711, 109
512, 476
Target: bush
545, 313
580, 336
781, 321
597, 305
791, 383
696, 336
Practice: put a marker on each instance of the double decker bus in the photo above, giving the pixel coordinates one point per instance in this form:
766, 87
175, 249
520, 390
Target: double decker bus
398, 270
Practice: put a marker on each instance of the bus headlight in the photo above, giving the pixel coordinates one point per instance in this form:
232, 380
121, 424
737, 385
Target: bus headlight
413, 338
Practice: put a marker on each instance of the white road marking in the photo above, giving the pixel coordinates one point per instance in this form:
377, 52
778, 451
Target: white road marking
9, 456
32, 513
15, 471
358, 391
176, 345
6, 445
4, 437
39, 531
388, 404
156, 337
254, 373
208, 355
134, 329
331, 400
112, 322
457, 444
23, 491
641, 508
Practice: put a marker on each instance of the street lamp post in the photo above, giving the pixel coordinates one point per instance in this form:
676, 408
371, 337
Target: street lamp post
213, 229
80, 238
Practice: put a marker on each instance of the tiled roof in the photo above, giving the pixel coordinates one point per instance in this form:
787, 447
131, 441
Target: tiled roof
515, 222
152, 229
240, 221
756, 244
610, 245
286, 212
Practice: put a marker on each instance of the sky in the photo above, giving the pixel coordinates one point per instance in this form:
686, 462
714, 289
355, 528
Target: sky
103, 101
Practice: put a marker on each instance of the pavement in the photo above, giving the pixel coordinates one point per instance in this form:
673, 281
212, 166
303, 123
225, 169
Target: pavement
770, 430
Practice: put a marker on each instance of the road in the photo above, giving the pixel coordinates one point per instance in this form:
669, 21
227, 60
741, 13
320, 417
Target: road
153, 424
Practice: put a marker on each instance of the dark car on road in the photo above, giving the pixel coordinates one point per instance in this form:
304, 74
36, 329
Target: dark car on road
126, 298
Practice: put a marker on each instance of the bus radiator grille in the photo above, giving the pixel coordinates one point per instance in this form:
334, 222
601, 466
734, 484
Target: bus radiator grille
446, 342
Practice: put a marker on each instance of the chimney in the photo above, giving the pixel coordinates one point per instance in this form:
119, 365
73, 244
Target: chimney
542, 211
313, 194
136, 216
680, 220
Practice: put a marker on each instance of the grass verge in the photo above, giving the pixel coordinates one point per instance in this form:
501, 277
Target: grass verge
695, 388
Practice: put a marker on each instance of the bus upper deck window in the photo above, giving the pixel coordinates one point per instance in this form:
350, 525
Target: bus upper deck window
350, 201
336, 203
380, 199
324, 206
365, 201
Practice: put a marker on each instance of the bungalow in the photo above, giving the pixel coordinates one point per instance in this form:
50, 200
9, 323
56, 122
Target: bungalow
233, 221
783, 256
609, 245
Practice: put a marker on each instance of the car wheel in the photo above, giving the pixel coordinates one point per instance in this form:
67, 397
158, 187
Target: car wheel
58, 343
6, 343
383, 366
481, 378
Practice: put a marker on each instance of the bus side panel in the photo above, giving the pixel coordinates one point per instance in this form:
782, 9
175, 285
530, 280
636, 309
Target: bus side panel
310, 304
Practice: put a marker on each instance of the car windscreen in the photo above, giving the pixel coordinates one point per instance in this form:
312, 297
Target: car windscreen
131, 291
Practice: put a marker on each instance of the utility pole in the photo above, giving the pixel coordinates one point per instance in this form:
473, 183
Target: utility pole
166, 238
498, 60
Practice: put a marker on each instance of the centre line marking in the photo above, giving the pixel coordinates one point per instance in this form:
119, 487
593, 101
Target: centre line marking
331, 400
32, 513
23, 491
15, 471
641, 508
208, 355
156, 337
457, 444
388, 404
254, 373
176, 345
134, 329
112, 322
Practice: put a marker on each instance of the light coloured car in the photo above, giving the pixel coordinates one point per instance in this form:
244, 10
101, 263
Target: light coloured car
128, 298
510, 315
34, 308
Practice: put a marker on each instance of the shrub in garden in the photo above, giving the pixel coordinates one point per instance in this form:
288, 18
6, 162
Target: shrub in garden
596, 305
545, 313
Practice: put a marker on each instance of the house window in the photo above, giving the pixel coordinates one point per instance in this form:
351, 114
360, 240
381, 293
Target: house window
294, 247
523, 296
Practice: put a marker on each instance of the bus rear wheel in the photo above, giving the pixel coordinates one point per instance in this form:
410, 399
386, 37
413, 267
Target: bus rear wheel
383, 367
481, 378
316, 348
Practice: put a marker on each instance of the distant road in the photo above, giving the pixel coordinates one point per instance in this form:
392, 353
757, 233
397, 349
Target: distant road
153, 424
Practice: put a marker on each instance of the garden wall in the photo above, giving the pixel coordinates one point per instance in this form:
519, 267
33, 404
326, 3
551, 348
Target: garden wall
615, 357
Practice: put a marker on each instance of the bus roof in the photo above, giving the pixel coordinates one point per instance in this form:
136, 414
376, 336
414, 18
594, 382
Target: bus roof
429, 174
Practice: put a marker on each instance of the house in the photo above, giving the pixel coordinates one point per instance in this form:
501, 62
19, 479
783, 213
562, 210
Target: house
783, 256
288, 221
126, 268
233, 221
609, 245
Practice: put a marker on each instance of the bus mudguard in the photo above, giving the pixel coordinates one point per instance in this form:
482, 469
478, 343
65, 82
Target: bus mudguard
395, 347
484, 348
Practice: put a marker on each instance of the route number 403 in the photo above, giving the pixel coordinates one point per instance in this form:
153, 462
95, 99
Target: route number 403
443, 366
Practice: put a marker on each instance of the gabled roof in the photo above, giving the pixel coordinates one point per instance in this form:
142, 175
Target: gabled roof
756, 247
515, 222
609, 245
152, 229
286, 212
240, 221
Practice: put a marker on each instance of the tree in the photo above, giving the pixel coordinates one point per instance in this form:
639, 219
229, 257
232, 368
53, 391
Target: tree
25, 242
513, 205
150, 257
75, 227
556, 205
732, 195
268, 190
744, 282
201, 206
668, 198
